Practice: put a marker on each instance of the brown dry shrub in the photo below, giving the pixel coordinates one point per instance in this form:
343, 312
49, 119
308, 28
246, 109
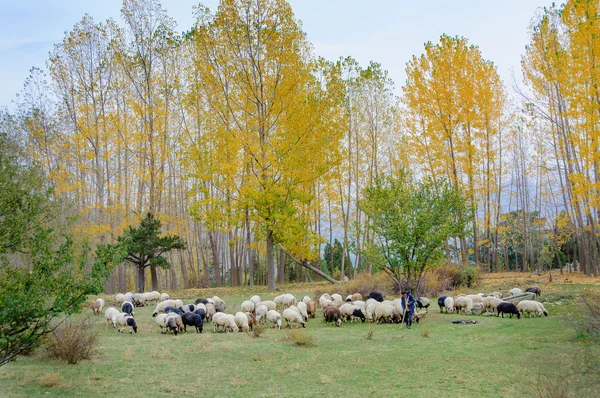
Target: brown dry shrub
72, 341
257, 330
300, 337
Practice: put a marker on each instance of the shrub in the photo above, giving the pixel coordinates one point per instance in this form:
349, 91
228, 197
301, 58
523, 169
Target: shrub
51, 380
257, 330
300, 338
72, 341
587, 323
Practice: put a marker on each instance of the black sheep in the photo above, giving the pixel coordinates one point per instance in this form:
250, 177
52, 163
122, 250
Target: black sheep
201, 312
131, 323
376, 296
441, 301
127, 307
534, 289
422, 304
201, 300
191, 319
358, 313
170, 309
508, 308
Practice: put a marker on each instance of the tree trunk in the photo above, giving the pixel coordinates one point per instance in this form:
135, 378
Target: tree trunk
141, 278
270, 260
154, 277
215, 256
305, 264
281, 270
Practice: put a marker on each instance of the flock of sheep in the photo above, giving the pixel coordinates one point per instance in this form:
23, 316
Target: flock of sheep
172, 316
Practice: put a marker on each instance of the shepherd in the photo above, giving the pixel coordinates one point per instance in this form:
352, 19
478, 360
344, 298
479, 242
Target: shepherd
408, 303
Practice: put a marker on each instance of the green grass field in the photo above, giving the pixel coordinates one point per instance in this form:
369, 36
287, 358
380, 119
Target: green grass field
495, 358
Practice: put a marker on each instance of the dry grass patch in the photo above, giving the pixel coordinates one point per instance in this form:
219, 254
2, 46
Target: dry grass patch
300, 338
50, 380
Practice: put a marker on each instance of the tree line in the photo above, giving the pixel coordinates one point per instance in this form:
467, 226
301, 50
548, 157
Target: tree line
247, 145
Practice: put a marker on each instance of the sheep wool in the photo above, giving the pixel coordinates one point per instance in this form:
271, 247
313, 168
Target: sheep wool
293, 317
241, 320
275, 318
303, 308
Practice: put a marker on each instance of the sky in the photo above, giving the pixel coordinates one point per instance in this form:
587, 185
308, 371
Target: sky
386, 31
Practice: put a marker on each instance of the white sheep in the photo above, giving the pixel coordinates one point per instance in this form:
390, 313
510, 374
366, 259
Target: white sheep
188, 308
261, 311
370, 311
324, 303
347, 310
292, 316
387, 312
495, 294
269, 304
139, 299
324, 300
166, 323
178, 303
210, 310
200, 306
241, 320
129, 296
255, 299
515, 291
349, 298
123, 320
306, 299
97, 306
120, 298
275, 318
532, 306
371, 301
248, 306
336, 297
153, 296
220, 305
219, 320
361, 304
490, 303
288, 300
164, 297
449, 304
160, 307
111, 314
464, 303
303, 308
397, 304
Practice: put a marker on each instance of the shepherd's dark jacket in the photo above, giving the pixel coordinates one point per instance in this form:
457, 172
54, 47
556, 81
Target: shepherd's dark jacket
411, 302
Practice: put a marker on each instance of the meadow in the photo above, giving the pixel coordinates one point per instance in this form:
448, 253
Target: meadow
494, 358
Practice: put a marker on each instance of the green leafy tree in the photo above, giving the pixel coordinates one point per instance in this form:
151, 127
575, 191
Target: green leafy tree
145, 248
43, 276
412, 223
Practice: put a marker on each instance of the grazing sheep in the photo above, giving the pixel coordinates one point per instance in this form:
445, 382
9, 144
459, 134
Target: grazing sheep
164, 297
241, 320
120, 298
188, 308
349, 298
449, 304
288, 300
200, 306
261, 311
360, 304
324, 299
423, 302
278, 300
173, 310
336, 297
191, 319
303, 308
337, 303
464, 303
332, 314
97, 306
218, 321
153, 296
306, 299
370, 311
387, 312
376, 296
220, 305
515, 291
230, 325
531, 306
125, 319
275, 318
111, 314
508, 308
397, 304
357, 297
201, 312
201, 301
495, 294
326, 303
178, 303
178, 321
371, 301
210, 310
292, 316
127, 307
248, 306
269, 304
138, 299
311, 308
167, 323
441, 303
534, 289
346, 311
255, 299
358, 313
490, 303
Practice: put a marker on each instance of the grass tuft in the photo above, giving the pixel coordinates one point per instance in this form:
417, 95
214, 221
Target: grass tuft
257, 330
426, 333
300, 338
370, 334
50, 380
